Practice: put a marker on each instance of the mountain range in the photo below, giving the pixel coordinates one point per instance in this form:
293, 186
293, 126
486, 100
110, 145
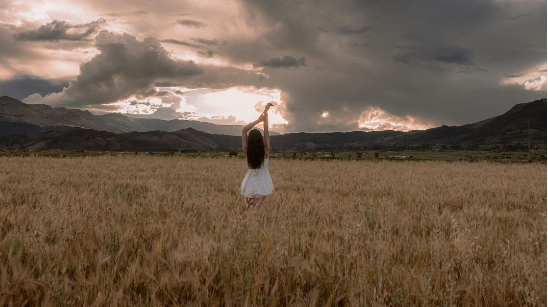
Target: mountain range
15, 111
40, 127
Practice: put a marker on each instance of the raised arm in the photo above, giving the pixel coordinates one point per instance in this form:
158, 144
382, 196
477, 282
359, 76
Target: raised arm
265, 128
266, 134
246, 129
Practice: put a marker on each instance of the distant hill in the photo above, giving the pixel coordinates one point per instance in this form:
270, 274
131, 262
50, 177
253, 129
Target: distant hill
64, 138
514, 120
508, 128
18, 112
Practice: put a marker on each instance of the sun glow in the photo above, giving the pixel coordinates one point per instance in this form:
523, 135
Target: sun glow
376, 119
45, 11
236, 105
533, 80
244, 103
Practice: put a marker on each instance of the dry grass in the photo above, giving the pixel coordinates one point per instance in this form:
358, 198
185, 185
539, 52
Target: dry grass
160, 231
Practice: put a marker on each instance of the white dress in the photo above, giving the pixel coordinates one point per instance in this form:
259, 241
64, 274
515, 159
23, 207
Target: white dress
257, 182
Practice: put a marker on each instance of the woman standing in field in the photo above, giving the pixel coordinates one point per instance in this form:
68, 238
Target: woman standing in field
257, 183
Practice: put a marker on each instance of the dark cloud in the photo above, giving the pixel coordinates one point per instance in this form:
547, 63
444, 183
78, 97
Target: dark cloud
346, 30
205, 41
420, 50
432, 16
135, 13
124, 67
453, 39
464, 47
462, 66
178, 42
191, 23
219, 77
20, 87
518, 16
207, 54
442, 53
60, 30
292, 25
285, 62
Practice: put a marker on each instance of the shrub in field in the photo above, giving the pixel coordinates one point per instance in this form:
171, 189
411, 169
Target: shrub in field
233, 152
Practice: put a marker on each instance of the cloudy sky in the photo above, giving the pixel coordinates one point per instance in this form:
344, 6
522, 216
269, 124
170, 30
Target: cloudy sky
328, 65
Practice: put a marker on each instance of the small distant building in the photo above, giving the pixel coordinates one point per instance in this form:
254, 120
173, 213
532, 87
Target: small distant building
398, 157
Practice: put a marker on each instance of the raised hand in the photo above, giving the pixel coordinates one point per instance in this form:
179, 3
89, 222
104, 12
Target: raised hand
268, 105
261, 117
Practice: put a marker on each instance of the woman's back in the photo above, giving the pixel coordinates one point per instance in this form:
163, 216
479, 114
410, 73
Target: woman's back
257, 182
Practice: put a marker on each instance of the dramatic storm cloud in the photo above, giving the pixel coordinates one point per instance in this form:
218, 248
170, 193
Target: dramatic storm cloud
419, 50
60, 30
124, 67
329, 66
191, 23
21, 87
286, 61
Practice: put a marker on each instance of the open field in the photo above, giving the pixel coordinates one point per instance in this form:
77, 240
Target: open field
139, 230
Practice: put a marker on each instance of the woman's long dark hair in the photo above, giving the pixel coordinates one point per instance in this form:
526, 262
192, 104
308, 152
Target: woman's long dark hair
255, 149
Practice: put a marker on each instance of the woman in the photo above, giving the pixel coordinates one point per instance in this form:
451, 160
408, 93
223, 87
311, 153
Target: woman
257, 183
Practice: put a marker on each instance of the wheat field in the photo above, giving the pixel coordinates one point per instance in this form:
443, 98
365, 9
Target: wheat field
172, 231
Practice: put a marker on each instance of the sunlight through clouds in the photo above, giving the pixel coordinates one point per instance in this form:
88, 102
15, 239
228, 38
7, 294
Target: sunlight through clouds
235, 105
29, 12
376, 119
223, 60
239, 102
533, 80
